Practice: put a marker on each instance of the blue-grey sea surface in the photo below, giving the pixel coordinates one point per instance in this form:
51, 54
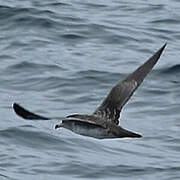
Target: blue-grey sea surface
59, 57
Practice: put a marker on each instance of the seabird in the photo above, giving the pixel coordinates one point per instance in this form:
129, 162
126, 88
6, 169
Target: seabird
103, 122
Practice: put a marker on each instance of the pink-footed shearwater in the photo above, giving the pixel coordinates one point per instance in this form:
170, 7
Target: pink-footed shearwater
103, 123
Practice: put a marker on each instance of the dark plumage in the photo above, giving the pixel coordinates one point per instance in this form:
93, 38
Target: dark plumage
103, 123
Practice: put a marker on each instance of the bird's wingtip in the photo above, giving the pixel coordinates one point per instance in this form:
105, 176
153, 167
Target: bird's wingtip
159, 52
165, 44
15, 106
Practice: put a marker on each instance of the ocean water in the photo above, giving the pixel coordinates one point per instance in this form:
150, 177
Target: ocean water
62, 57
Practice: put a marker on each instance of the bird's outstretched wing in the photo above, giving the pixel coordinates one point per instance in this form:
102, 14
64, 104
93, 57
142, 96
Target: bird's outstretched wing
24, 113
119, 95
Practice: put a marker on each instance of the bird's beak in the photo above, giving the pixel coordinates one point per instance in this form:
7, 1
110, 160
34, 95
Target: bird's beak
58, 126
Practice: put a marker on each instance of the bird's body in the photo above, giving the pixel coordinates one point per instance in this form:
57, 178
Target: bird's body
86, 128
95, 127
103, 123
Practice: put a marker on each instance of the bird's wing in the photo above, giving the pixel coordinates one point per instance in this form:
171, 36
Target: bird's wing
87, 118
26, 114
119, 95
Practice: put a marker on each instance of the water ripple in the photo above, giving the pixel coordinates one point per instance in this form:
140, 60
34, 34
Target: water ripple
59, 58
